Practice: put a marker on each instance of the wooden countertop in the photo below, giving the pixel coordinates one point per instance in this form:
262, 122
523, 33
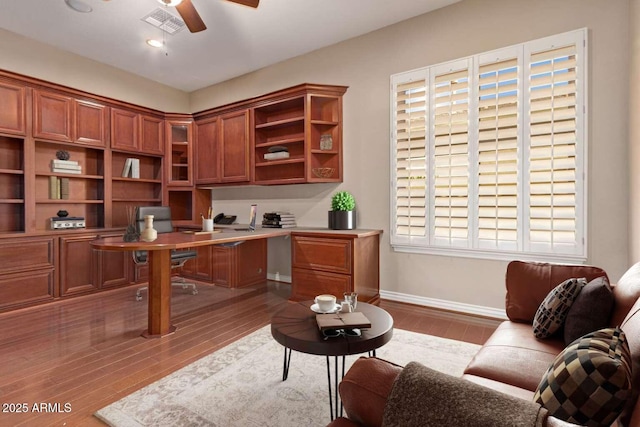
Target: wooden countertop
229, 234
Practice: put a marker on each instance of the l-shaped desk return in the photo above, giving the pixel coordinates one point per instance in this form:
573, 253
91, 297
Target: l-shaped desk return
159, 259
364, 268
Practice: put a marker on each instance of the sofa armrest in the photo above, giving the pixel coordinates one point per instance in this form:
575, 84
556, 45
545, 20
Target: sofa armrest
365, 388
528, 283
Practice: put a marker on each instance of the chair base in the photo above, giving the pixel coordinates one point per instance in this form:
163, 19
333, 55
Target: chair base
176, 282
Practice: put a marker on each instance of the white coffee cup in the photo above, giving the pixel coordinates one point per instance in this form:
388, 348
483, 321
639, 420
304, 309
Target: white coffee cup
207, 224
325, 302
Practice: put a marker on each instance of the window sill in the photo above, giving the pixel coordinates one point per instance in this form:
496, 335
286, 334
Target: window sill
493, 255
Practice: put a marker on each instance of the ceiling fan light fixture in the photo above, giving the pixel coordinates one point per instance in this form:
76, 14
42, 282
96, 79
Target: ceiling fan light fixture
154, 43
172, 3
79, 6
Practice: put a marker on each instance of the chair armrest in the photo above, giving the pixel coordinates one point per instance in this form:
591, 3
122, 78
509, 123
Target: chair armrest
365, 387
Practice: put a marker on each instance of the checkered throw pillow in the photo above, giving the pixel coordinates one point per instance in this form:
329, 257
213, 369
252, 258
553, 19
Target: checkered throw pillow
553, 310
590, 380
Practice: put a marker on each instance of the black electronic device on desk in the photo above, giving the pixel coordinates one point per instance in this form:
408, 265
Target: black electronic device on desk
224, 219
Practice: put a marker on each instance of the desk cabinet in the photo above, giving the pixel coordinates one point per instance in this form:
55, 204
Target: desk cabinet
335, 263
27, 272
232, 266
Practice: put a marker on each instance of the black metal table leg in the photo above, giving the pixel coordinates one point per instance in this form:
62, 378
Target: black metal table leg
334, 396
329, 382
286, 364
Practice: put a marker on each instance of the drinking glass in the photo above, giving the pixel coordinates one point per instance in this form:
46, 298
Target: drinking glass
352, 299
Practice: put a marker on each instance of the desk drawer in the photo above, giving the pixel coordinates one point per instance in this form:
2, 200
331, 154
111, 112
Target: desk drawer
26, 254
22, 289
333, 255
306, 284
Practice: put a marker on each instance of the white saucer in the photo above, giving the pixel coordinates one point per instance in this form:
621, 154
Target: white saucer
315, 308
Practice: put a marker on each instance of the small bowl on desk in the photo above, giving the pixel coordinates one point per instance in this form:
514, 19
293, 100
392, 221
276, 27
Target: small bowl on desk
323, 172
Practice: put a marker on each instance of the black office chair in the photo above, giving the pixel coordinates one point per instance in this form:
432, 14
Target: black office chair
162, 223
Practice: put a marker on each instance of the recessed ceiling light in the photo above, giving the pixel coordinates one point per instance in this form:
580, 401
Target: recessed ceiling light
154, 43
79, 6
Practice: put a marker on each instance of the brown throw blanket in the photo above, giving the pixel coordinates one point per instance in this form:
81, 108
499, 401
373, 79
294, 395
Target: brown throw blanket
423, 397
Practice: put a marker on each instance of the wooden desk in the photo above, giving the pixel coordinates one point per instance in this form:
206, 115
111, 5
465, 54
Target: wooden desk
159, 259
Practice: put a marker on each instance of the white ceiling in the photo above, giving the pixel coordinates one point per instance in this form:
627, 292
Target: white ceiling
238, 39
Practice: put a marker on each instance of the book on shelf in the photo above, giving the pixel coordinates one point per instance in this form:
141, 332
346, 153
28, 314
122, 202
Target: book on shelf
73, 171
64, 188
58, 162
276, 155
278, 216
53, 188
290, 225
356, 319
278, 221
135, 168
126, 169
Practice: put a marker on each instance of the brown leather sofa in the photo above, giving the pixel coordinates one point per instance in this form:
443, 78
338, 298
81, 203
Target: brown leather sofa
512, 361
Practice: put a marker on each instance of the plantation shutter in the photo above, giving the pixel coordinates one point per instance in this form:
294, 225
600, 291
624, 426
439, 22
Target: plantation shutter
450, 109
553, 118
498, 154
410, 151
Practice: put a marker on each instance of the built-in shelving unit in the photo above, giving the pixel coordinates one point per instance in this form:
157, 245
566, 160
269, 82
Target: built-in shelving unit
12, 195
86, 189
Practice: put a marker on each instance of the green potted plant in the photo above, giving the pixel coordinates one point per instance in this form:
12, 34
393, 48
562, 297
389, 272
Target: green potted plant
342, 215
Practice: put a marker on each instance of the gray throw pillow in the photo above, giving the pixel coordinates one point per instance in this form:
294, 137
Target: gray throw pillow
553, 310
590, 311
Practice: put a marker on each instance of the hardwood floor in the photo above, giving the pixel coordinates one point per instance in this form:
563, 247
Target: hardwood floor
87, 352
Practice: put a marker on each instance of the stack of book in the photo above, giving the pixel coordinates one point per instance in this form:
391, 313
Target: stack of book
278, 220
277, 152
65, 166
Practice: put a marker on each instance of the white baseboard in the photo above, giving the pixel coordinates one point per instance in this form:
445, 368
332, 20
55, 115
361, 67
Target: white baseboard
279, 277
460, 307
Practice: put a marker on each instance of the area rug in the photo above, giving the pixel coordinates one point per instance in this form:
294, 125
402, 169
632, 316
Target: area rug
241, 384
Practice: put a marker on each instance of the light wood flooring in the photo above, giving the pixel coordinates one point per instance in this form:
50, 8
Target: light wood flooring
87, 352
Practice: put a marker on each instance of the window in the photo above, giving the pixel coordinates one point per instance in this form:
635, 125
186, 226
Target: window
488, 153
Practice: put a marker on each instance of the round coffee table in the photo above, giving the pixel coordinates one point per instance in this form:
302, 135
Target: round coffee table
295, 327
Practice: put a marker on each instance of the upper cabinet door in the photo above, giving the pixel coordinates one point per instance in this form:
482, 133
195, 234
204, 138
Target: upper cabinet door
179, 158
207, 154
234, 144
12, 108
151, 135
90, 123
124, 130
52, 116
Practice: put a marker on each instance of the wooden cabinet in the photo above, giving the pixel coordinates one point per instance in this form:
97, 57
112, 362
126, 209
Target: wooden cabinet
12, 108
234, 146
223, 148
78, 265
308, 127
90, 123
83, 269
187, 204
179, 153
232, 265
334, 264
63, 118
27, 272
207, 152
135, 132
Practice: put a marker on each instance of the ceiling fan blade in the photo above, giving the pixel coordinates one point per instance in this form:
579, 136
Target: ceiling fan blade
250, 3
190, 16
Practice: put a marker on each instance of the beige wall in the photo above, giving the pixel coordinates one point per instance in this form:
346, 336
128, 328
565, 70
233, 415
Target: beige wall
25, 56
365, 64
634, 133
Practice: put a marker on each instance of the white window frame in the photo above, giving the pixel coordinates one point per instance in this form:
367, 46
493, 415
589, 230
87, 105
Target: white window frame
523, 249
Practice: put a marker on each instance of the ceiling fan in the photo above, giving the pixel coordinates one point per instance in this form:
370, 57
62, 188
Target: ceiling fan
190, 15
